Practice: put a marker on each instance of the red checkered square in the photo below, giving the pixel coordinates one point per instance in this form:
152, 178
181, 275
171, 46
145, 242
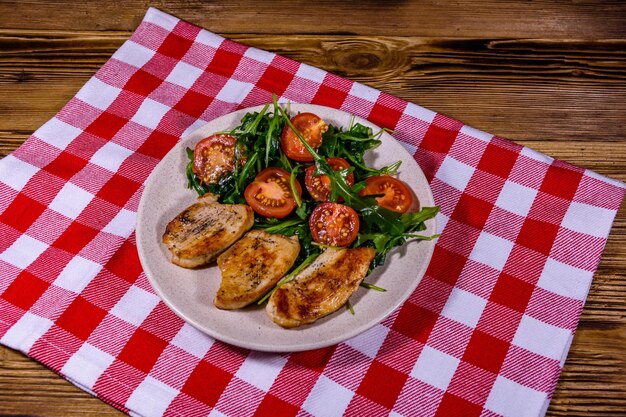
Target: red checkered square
224, 63
162, 322
175, 46
106, 125
273, 406
328, 96
81, 318
75, 238
468, 149
431, 294
347, 366
453, 406
561, 181
362, 406
486, 351
497, 160
512, 292
520, 360
105, 290
206, 383
438, 139
459, 237
415, 322
554, 309
313, 359
384, 116
382, 384
193, 103
446, 266
537, 235
65, 165
450, 336
125, 105
118, 190
548, 208
275, 80
22, 212
484, 186
472, 211
25, 290
504, 224
142, 83
577, 249
290, 376
142, 350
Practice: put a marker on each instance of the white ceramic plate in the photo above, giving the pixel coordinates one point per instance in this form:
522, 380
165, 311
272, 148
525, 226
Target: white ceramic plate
190, 293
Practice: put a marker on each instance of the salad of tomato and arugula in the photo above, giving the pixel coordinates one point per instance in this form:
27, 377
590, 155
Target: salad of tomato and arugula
264, 161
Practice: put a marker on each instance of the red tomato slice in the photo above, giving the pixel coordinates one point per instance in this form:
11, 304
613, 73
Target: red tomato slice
319, 186
270, 193
334, 224
397, 195
214, 157
311, 127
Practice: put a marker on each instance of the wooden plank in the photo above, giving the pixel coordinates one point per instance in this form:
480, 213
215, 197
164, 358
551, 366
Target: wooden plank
523, 90
589, 19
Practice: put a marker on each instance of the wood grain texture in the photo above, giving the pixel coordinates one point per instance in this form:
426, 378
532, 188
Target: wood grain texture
549, 75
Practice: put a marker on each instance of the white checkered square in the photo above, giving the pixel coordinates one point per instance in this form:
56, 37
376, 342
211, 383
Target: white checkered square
442, 221
409, 147
184, 74
435, 368
77, 274
23, 334
193, 127
151, 397
57, 133
259, 55
234, 91
110, 156
98, 94
311, 73
15, 173
122, 224
161, 19
588, 219
420, 113
134, 54
192, 341
370, 341
464, 307
542, 338
537, 156
327, 398
23, 251
210, 39
215, 413
516, 198
135, 305
475, 133
261, 369
87, 364
565, 280
455, 173
491, 250
150, 113
71, 200
364, 92
511, 399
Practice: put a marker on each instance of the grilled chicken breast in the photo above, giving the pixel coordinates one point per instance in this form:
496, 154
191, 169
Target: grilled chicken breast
252, 266
205, 229
321, 288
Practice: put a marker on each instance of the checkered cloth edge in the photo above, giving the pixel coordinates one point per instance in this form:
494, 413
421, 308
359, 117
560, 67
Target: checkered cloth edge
485, 333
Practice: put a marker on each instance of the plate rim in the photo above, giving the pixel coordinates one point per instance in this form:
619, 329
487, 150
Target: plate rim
293, 347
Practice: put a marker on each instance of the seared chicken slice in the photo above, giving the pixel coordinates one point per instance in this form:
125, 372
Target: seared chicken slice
321, 288
252, 266
205, 229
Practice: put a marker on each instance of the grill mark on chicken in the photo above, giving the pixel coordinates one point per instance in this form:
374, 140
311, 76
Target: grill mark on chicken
321, 288
252, 266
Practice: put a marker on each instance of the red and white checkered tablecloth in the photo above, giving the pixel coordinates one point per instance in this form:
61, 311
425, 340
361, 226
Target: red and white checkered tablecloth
485, 333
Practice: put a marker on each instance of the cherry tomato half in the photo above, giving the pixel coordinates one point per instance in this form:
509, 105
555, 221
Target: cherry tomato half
397, 195
311, 127
334, 224
319, 186
270, 193
214, 157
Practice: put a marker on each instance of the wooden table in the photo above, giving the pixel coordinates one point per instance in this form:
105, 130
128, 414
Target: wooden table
550, 75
